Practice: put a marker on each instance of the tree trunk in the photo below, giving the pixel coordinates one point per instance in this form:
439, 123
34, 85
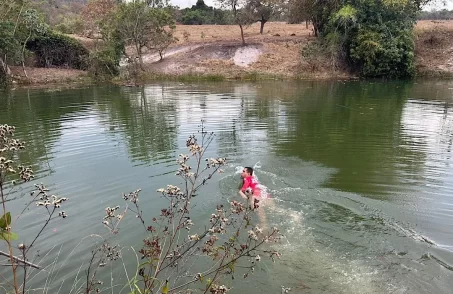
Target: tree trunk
5, 73
315, 28
138, 48
242, 35
23, 55
4, 67
263, 21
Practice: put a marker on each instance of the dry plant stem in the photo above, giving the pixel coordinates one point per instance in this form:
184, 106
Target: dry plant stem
42, 229
226, 265
180, 221
139, 214
19, 260
25, 270
216, 274
8, 242
89, 281
189, 248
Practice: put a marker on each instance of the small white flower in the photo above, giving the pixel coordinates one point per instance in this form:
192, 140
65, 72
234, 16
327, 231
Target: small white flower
194, 237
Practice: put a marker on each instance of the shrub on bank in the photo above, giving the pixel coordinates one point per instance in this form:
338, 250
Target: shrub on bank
56, 50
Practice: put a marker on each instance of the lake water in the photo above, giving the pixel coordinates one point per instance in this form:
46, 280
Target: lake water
361, 174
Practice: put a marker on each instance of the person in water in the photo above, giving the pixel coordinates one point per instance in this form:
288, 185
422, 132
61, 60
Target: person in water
250, 188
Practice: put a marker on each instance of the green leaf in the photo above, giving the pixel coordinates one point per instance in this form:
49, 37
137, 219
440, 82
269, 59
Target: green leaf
231, 266
4, 236
165, 288
5, 220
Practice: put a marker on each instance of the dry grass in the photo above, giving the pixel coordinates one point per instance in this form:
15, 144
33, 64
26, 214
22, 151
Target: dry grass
44, 76
281, 44
434, 47
431, 25
213, 33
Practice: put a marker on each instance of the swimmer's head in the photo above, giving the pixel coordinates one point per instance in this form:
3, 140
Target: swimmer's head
247, 171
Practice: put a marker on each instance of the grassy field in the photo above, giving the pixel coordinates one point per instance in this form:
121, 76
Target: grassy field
212, 33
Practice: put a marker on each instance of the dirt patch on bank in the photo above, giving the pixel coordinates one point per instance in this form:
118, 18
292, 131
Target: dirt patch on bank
43, 76
246, 55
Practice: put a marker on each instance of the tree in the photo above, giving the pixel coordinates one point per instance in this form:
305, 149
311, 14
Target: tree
94, 12
263, 10
193, 17
33, 26
240, 15
376, 36
10, 45
317, 11
144, 27
200, 5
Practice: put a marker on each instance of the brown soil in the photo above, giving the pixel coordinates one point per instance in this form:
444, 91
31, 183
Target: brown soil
44, 76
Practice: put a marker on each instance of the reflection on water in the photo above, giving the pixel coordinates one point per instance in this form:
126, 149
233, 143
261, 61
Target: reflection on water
360, 172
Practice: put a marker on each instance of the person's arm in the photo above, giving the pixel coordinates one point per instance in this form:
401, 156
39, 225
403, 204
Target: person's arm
245, 185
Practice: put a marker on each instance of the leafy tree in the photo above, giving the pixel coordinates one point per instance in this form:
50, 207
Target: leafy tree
263, 10
373, 37
143, 27
241, 17
200, 5
194, 17
54, 49
317, 11
376, 36
9, 48
33, 25
10, 45
200, 13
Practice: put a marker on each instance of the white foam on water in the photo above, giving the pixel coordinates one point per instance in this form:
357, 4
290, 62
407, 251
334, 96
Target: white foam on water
301, 247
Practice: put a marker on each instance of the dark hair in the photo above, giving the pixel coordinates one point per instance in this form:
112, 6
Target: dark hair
249, 170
